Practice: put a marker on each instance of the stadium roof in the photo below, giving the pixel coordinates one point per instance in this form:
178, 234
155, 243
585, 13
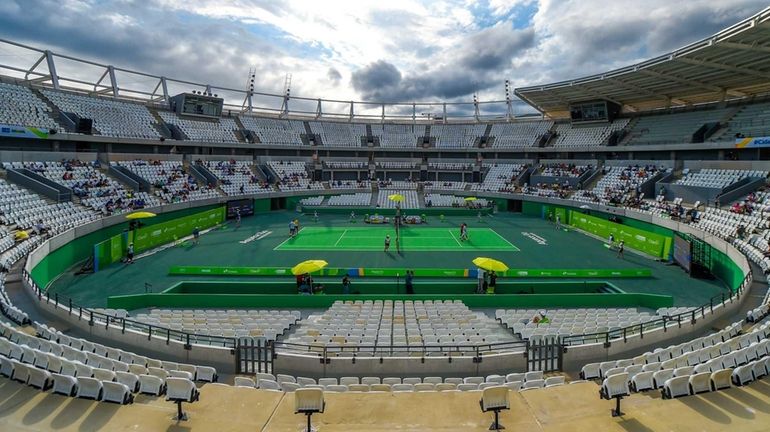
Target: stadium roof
733, 63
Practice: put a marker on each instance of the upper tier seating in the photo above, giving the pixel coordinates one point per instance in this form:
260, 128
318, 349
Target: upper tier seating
268, 324
438, 200
563, 170
277, 132
445, 185
293, 175
716, 178
585, 135
357, 200
335, 134
672, 128
23, 108
397, 184
346, 164
411, 200
750, 121
500, 177
457, 135
398, 135
110, 117
519, 134
172, 183
387, 323
350, 184
449, 166
396, 165
312, 201
220, 130
95, 189
618, 184
236, 177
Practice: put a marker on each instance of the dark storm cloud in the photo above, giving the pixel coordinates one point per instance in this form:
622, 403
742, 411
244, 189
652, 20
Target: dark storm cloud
334, 75
156, 42
495, 47
475, 65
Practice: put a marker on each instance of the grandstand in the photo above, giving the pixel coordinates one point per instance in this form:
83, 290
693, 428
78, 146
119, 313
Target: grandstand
212, 314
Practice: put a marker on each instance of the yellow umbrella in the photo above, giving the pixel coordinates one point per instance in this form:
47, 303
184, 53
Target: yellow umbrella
396, 197
490, 264
140, 215
309, 266
471, 199
21, 235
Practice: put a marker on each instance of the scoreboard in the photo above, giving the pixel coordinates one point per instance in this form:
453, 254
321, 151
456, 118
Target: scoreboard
593, 111
197, 105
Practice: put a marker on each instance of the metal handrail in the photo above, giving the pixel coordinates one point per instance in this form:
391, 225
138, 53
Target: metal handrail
664, 322
323, 351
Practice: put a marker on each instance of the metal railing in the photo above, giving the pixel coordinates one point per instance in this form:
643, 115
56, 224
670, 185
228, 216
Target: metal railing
325, 352
124, 325
665, 322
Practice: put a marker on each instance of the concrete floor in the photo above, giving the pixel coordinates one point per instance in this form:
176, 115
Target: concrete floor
573, 408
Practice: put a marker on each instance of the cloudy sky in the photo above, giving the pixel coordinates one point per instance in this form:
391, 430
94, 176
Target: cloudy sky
393, 50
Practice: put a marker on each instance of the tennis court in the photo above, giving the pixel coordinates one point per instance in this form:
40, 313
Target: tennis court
412, 239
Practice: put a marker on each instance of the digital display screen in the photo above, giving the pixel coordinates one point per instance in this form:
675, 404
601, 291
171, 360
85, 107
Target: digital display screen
683, 253
246, 207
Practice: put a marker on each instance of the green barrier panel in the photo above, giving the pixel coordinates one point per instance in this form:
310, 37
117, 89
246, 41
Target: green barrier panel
577, 273
383, 286
545, 301
151, 236
635, 238
391, 272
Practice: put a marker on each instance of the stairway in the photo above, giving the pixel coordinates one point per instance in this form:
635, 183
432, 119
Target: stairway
630, 127
725, 120
56, 114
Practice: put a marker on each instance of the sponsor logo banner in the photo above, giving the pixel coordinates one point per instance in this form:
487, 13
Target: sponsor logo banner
752, 142
7, 130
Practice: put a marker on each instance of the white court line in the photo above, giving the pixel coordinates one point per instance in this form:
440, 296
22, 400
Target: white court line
338, 240
506, 240
281, 244
455, 238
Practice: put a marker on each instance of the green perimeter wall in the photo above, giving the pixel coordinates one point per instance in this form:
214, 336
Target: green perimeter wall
262, 205
80, 249
418, 272
361, 211
721, 265
548, 301
293, 201
389, 287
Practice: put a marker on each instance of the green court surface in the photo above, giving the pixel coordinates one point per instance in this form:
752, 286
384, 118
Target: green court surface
522, 242
412, 239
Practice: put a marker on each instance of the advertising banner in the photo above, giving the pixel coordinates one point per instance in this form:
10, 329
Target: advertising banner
650, 243
752, 142
155, 235
22, 132
392, 272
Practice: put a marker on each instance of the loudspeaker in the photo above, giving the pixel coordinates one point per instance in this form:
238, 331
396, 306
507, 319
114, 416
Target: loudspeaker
85, 126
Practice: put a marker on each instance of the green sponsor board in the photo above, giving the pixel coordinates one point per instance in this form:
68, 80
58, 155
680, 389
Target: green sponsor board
393, 272
109, 251
648, 242
577, 273
155, 235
